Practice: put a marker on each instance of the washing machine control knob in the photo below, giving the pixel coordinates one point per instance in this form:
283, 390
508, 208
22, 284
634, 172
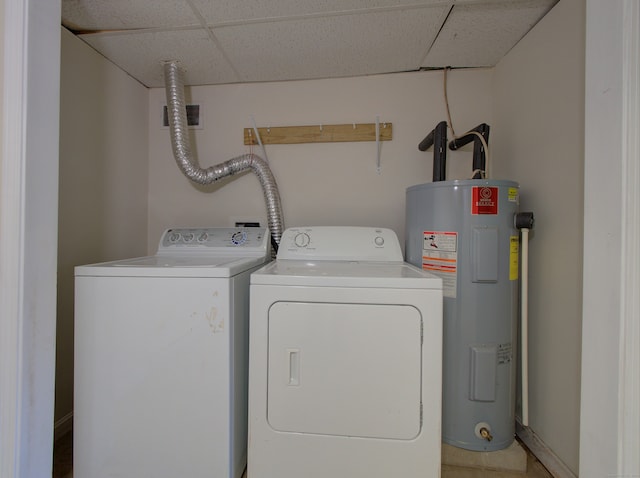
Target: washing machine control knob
239, 238
379, 241
301, 239
174, 237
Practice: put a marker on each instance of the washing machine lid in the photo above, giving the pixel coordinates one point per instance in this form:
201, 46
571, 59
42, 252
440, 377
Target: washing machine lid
172, 266
193, 252
345, 274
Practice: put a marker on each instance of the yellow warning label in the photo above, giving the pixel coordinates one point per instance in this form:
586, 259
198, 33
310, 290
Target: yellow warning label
513, 195
514, 250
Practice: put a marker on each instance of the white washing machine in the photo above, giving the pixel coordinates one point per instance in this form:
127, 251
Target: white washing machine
345, 364
161, 358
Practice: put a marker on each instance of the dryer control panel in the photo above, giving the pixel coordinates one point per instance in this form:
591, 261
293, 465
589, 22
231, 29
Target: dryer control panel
340, 243
210, 240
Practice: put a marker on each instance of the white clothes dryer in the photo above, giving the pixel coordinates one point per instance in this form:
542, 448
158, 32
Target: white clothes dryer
345, 364
161, 358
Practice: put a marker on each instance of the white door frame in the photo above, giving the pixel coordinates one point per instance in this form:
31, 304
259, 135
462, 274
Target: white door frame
28, 234
28, 239
610, 396
629, 355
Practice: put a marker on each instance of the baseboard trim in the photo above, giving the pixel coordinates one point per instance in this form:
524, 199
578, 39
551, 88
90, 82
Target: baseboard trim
543, 453
63, 426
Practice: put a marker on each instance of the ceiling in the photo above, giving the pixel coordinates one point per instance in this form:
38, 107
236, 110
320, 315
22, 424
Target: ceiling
239, 41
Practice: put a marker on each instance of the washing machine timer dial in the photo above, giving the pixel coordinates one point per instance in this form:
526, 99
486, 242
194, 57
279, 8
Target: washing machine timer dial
301, 239
239, 238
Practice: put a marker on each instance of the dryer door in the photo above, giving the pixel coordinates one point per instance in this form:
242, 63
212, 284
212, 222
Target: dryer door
345, 369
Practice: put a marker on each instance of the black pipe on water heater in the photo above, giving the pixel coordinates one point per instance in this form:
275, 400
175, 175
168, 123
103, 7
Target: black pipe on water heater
438, 139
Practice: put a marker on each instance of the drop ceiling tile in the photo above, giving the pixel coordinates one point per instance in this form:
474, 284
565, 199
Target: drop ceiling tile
345, 45
478, 35
224, 11
141, 55
85, 15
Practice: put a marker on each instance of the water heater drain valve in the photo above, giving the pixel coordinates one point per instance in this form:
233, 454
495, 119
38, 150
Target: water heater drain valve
483, 431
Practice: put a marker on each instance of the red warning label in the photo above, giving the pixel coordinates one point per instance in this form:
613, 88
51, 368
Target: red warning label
484, 200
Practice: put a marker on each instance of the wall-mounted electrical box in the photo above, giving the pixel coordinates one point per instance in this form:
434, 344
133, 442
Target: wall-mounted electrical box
194, 116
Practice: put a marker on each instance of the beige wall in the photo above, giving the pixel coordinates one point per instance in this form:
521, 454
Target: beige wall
320, 184
103, 181
538, 139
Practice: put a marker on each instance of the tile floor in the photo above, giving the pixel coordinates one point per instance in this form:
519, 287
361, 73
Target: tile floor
63, 465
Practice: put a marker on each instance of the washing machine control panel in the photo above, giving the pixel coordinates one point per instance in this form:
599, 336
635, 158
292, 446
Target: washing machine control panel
204, 240
340, 244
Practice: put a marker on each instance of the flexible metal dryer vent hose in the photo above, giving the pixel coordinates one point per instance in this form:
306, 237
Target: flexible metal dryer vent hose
182, 153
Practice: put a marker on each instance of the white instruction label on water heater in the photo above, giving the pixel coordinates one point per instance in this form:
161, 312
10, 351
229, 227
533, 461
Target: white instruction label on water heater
440, 257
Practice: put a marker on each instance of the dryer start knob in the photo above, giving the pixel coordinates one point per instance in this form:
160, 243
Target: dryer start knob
301, 239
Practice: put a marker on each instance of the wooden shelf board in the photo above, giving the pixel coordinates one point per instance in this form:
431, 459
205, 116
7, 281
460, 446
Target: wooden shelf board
330, 133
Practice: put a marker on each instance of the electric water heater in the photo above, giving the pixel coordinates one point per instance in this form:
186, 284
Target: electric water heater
466, 232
